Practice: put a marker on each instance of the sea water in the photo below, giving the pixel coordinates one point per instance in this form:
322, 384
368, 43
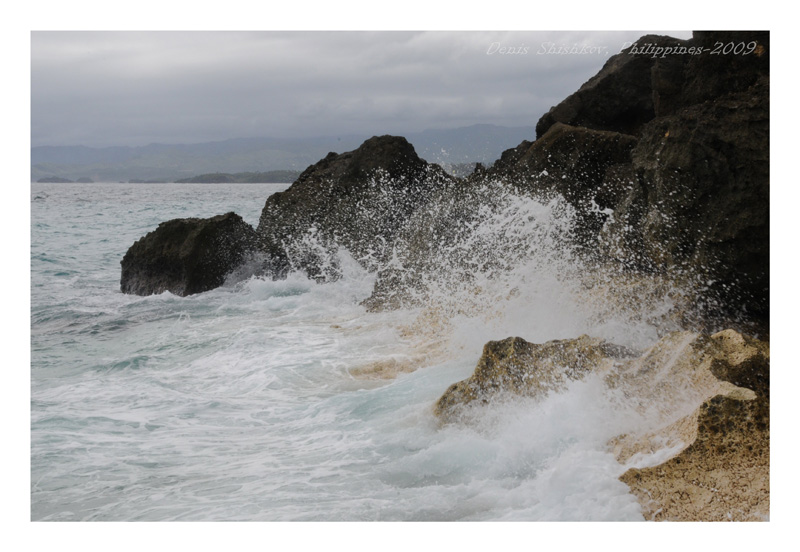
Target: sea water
287, 400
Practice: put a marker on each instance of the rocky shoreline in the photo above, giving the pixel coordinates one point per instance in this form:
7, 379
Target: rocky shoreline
664, 161
704, 397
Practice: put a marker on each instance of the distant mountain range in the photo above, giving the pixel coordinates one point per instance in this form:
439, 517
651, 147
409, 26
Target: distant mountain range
171, 162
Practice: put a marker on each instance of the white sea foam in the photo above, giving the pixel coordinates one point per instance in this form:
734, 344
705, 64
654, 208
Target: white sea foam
254, 401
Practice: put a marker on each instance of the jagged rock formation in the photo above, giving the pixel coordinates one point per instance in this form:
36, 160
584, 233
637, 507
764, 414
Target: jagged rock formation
687, 191
579, 164
699, 197
569, 162
358, 200
705, 397
659, 75
619, 98
428, 246
518, 367
187, 256
723, 473
665, 160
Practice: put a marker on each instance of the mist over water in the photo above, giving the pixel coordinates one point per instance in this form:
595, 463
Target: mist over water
287, 400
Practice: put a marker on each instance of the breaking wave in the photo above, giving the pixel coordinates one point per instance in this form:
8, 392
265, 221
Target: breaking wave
296, 400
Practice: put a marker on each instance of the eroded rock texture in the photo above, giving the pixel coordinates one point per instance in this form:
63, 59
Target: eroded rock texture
723, 473
705, 399
187, 256
358, 200
518, 367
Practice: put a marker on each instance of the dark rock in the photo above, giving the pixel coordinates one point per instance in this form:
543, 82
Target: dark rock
666, 80
396, 288
509, 159
709, 76
619, 97
578, 164
694, 198
643, 82
462, 234
358, 200
187, 256
571, 162
700, 197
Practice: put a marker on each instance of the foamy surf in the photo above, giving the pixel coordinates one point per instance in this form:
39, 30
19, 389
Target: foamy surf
288, 400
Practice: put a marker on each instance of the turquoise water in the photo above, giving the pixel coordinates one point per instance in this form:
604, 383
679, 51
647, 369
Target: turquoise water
286, 400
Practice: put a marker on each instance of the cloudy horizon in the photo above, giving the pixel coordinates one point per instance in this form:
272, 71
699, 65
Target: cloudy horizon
135, 88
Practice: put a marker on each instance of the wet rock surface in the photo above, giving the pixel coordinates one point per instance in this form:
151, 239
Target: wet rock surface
357, 200
705, 398
722, 476
723, 473
665, 159
619, 98
688, 192
187, 256
579, 164
517, 367
699, 199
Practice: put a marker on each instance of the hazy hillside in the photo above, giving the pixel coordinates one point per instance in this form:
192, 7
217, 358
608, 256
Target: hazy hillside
170, 162
272, 177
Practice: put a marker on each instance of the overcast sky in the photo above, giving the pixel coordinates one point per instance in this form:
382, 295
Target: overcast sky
135, 88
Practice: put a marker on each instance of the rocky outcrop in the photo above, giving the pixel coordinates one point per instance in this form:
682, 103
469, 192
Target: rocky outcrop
429, 248
699, 198
659, 75
723, 473
687, 192
568, 162
358, 200
187, 256
579, 164
515, 366
732, 62
664, 156
705, 398
722, 476
620, 97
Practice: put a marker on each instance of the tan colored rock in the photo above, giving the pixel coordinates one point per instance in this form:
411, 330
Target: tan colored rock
671, 379
723, 473
705, 399
516, 366
722, 476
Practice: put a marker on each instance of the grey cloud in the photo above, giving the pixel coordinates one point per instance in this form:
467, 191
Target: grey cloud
132, 88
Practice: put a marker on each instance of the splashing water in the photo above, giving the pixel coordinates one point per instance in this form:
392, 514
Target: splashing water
288, 400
